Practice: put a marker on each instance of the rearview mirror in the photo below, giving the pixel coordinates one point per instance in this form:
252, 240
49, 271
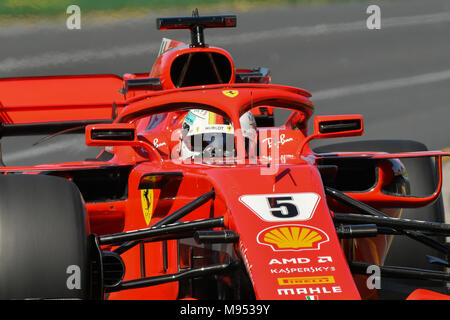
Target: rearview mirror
338, 126
117, 134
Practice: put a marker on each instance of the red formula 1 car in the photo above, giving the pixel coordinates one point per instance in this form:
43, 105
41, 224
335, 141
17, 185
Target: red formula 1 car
197, 195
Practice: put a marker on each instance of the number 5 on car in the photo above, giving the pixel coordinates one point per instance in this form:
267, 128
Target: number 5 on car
283, 206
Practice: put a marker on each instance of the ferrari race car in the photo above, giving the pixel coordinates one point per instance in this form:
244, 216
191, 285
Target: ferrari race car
196, 193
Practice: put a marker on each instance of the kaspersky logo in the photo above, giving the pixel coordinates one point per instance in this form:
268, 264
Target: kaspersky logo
292, 237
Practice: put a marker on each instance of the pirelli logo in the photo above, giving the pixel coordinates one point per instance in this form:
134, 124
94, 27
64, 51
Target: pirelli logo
305, 280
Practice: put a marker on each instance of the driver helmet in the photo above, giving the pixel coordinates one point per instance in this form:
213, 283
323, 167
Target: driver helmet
206, 134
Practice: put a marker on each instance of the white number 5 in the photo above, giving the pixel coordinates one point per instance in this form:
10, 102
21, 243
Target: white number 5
282, 207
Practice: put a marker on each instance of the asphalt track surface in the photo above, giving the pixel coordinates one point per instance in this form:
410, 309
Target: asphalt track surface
397, 77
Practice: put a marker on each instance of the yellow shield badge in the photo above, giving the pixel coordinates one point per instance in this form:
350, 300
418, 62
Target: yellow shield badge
230, 93
147, 204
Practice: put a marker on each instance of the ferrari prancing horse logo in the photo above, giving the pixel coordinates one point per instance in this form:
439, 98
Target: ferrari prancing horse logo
230, 93
147, 204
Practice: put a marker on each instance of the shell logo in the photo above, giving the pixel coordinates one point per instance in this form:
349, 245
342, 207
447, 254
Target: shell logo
292, 237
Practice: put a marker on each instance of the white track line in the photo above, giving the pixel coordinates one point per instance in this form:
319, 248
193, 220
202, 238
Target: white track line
328, 29
81, 56
89, 55
381, 85
77, 145
92, 55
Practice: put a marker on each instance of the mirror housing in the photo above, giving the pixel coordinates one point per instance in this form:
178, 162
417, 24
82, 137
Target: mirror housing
338, 126
116, 134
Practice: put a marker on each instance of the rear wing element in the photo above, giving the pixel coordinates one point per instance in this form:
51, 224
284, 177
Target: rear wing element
196, 24
44, 105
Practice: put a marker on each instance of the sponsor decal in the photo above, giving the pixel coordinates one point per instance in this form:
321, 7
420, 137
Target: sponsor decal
230, 93
282, 140
283, 158
147, 200
305, 280
308, 291
156, 143
283, 206
314, 269
285, 266
247, 265
211, 129
294, 237
200, 113
190, 117
219, 127
299, 260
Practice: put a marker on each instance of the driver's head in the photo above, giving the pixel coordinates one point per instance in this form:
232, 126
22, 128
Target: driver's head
206, 134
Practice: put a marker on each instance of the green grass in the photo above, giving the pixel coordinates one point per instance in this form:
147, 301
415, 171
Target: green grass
57, 8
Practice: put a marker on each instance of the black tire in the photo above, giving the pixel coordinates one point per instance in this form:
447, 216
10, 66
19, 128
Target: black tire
43, 239
404, 251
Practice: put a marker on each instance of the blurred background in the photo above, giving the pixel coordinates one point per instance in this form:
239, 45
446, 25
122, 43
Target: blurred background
397, 77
